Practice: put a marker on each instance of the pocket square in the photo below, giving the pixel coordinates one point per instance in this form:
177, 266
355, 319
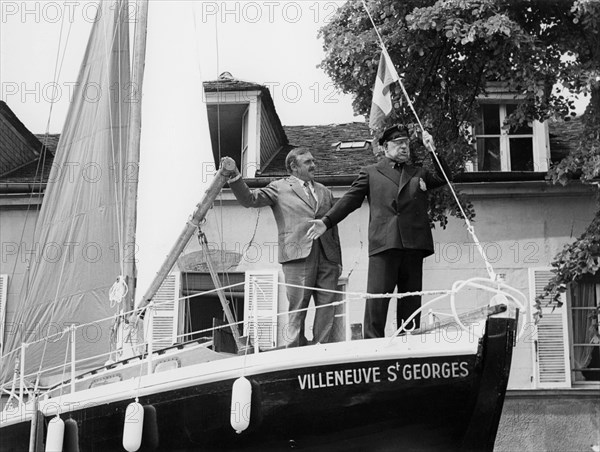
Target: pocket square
422, 184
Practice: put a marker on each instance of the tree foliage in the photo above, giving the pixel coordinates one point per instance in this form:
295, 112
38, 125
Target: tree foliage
450, 52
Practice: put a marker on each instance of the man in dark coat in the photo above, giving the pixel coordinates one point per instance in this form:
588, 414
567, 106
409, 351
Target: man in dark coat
399, 232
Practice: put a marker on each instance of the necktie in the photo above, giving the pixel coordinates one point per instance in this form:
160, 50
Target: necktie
311, 199
398, 166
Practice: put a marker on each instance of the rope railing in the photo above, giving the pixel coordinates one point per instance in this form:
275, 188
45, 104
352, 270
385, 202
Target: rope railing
112, 318
511, 295
35, 376
369, 295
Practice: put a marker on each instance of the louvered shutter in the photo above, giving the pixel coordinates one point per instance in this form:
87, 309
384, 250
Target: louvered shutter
261, 288
3, 301
166, 310
551, 344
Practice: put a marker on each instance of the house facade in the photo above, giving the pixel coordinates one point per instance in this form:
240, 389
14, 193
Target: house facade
521, 222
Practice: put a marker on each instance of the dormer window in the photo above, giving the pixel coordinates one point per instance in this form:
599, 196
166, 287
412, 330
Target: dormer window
243, 123
503, 148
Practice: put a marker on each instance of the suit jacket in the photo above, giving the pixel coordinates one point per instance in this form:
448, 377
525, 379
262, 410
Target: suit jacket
292, 212
398, 216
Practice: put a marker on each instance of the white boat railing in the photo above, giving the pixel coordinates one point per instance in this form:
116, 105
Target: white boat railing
508, 294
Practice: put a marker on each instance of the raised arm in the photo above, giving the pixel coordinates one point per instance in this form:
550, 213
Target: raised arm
259, 197
436, 179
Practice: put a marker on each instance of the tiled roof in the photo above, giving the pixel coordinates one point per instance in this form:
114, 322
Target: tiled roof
32, 172
23, 131
49, 140
332, 161
18, 146
231, 84
322, 140
37, 170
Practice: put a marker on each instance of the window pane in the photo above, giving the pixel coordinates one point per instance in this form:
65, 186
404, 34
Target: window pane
490, 120
521, 154
523, 129
586, 346
488, 154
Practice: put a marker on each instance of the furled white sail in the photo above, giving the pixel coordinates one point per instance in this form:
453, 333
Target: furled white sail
78, 235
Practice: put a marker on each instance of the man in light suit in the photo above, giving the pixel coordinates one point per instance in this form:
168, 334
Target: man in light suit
399, 232
295, 201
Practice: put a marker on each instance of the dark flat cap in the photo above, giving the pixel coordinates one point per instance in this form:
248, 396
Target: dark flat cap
392, 132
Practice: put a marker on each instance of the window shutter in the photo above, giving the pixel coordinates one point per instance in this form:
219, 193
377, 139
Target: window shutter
166, 309
3, 301
551, 344
261, 288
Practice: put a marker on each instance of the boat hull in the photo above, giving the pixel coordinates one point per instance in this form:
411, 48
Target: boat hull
425, 403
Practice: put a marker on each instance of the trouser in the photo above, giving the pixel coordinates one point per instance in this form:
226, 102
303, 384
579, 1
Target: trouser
313, 271
387, 270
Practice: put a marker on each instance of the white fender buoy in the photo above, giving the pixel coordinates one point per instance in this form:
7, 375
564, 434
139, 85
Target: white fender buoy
241, 399
56, 434
133, 427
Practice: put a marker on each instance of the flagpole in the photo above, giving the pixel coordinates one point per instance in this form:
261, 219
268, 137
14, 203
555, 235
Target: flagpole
470, 227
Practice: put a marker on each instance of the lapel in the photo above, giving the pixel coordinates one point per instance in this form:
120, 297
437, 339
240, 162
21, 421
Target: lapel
408, 171
385, 167
299, 190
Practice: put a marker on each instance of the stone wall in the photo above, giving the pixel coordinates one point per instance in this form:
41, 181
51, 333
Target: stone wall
558, 420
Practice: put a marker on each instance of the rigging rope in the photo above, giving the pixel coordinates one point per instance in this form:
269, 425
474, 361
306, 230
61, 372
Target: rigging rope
470, 227
219, 228
225, 303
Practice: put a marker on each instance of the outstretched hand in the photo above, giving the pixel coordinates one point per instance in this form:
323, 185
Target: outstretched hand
317, 229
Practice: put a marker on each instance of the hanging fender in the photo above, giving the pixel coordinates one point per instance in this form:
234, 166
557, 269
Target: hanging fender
150, 432
133, 427
71, 440
241, 404
55, 436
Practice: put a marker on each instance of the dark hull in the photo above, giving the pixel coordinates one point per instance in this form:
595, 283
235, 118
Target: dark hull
428, 403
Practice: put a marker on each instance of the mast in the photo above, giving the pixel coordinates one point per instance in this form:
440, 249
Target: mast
213, 190
131, 166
